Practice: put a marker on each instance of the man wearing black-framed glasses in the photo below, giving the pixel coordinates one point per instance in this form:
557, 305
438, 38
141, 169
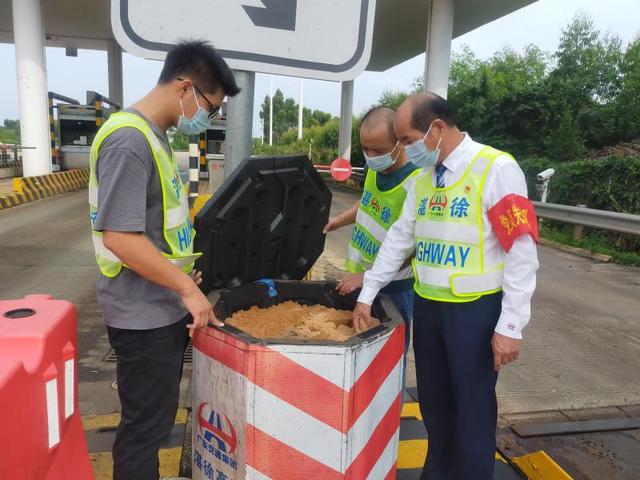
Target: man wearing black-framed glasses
143, 242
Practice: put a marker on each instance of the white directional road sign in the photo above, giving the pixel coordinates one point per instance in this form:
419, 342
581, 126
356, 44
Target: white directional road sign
324, 39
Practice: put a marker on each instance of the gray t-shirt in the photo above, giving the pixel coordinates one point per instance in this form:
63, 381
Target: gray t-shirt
130, 200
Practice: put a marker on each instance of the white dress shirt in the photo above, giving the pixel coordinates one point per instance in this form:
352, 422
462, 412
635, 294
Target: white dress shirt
520, 263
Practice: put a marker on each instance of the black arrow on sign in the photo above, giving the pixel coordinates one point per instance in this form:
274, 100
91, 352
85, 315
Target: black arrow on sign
278, 14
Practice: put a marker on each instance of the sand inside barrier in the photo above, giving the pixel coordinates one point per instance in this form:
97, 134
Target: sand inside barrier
293, 320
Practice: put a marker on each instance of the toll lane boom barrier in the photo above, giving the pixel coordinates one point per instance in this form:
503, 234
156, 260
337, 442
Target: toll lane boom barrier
41, 431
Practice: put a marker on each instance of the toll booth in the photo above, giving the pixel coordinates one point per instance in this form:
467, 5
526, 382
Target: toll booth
212, 162
75, 127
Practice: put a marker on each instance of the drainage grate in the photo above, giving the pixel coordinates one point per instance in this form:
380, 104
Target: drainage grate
111, 357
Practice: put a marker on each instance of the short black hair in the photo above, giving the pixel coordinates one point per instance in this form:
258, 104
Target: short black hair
428, 107
199, 61
380, 114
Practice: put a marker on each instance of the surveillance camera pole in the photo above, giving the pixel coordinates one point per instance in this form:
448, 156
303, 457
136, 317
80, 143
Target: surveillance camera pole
545, 190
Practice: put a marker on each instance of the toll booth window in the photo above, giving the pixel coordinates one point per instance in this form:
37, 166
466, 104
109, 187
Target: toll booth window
77, 132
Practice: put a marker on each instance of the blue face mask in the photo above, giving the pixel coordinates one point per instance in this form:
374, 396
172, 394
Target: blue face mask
198, 123
420, 155
381, 162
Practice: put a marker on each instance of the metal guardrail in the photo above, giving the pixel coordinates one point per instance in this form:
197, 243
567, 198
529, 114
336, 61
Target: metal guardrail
589, 217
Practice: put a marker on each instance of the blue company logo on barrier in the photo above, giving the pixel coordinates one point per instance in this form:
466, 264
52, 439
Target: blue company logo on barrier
218, 437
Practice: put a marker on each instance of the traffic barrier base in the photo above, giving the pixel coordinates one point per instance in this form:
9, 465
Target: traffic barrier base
42, 436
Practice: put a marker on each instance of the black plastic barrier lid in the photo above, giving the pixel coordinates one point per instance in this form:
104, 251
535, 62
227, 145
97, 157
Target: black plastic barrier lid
265, 222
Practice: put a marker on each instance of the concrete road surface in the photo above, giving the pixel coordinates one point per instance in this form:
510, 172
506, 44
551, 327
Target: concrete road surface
581, 349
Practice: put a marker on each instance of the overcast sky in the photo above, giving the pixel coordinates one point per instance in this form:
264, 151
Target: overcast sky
540, 23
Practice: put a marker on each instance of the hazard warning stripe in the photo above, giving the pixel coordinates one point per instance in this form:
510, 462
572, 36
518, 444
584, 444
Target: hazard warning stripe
297, 429
253, 474
376, 374
382, 403
385, 467
375, 456
280, 460
35, 188
392, 474
382, 435
313, 394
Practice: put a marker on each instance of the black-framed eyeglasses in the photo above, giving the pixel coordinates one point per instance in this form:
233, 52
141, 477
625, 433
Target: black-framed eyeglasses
213, 109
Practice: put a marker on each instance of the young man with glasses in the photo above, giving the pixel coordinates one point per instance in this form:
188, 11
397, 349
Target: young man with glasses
143, 241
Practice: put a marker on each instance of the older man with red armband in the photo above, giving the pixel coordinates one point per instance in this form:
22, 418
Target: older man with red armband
474, 233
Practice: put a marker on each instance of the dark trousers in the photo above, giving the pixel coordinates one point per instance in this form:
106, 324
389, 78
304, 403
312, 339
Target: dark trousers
148, 371
457, 385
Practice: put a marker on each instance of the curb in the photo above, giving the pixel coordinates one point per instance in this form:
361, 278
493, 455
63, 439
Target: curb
10, 170
580, 252
35, 188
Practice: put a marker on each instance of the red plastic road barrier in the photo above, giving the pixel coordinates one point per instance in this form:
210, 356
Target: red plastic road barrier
340, 169
41, 430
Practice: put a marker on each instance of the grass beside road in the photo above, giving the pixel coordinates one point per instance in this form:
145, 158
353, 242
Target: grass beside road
592, 241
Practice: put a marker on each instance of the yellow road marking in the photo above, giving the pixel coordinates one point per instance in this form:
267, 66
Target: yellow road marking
169, 463
411, 410
411, 453
94, 422
539, 466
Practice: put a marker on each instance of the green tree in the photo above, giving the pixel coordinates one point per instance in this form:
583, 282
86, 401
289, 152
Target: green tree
11, 124
179, 141
627, 106
10, 133
314, 118
392, 99
566, 142
285, 116
588, 64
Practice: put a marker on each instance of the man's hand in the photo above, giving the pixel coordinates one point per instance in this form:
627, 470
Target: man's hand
331, 225
350, 283
196, 275
199, 308
362, 319
505, 350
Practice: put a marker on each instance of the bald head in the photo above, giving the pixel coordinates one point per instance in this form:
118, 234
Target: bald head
378, 118
427, 112
377, 136
424, 108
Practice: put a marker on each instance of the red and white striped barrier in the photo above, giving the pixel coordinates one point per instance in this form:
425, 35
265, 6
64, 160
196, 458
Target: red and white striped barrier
296, 411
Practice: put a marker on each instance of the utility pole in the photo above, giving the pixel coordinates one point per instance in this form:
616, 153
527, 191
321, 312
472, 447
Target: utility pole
271, 114
300, 108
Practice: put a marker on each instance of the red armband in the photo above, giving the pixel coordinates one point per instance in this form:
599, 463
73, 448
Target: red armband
511, 217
